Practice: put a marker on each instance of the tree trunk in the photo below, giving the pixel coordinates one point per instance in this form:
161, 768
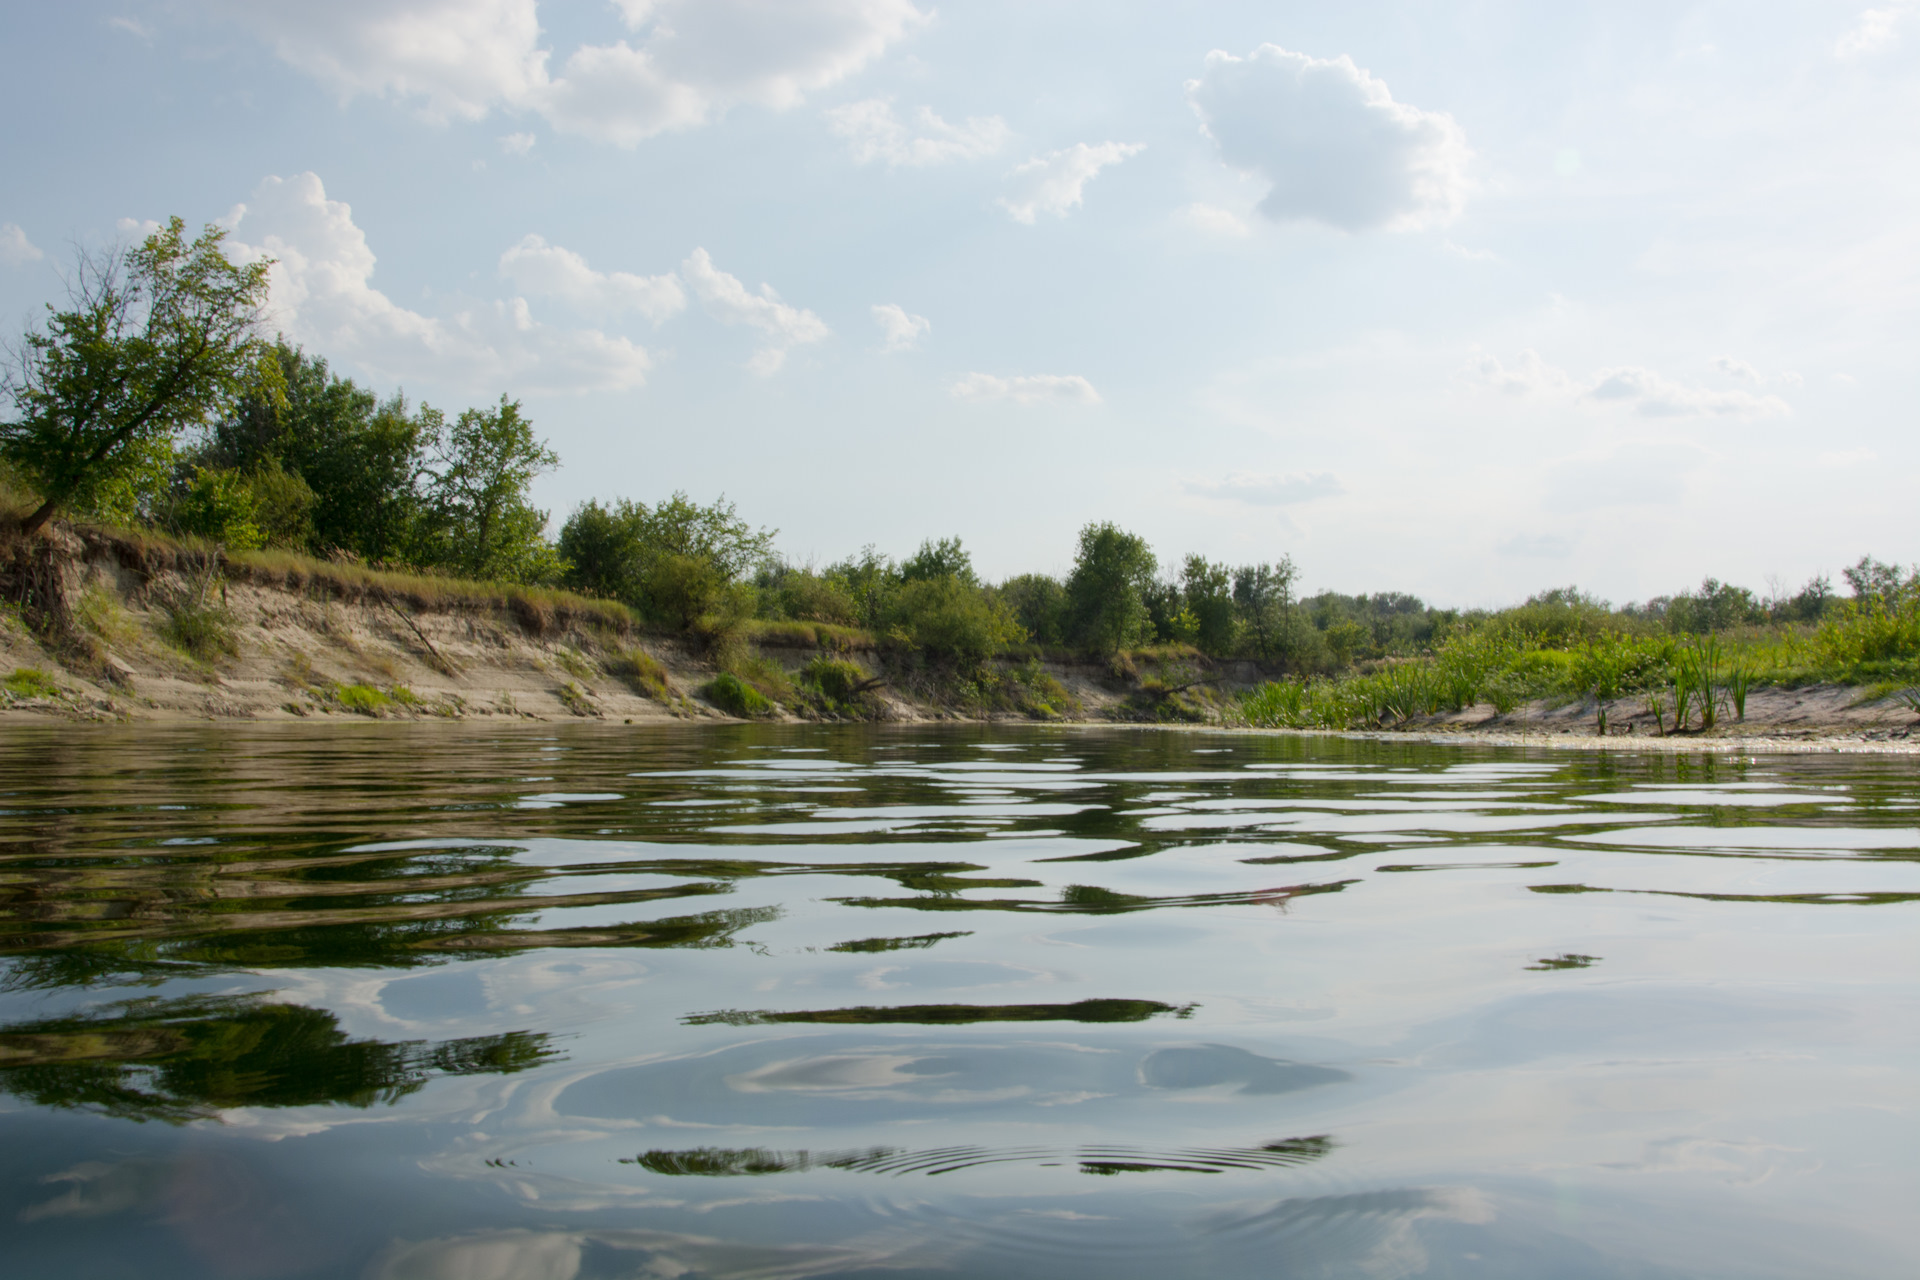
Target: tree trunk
38, 520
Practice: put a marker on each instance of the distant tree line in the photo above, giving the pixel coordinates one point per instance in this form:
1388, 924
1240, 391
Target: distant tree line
153, 399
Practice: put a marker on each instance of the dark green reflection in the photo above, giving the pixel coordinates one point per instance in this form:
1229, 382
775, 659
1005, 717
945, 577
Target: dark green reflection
1088, 899
1567, 960
950, 1014
915, 943
1103, 1160
185, 1059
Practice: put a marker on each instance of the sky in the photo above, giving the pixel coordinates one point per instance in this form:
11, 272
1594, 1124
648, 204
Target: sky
1461, 299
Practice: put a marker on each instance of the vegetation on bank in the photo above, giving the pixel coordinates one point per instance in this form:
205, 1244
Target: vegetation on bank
154, 405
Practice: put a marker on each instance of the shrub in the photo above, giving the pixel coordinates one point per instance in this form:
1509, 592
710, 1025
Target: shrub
643, 674
220, 506
736, 697
951, 622
30, 682
362, 699
203, 630
835, 680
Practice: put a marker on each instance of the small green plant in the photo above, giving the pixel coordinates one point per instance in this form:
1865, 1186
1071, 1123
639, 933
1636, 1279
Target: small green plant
200, 629
1739, 683
736, 697
361, 699
643, 674
766, 676
573, 663
1912, 698
404, 696
576, 699
30, 682
99, 612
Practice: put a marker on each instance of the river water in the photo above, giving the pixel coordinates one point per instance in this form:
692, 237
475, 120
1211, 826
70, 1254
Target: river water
453, 1003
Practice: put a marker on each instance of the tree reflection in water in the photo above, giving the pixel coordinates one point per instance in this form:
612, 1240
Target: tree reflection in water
186, 1059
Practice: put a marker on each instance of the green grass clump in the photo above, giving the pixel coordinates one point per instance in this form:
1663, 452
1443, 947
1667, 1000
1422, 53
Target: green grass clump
204, 631
30, 682
643, 674
576, 699
736, 697
361, 699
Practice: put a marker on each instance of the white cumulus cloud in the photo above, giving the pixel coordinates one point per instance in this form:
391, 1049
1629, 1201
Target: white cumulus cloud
730, 302
1268, 489
536, 267
1214, 220
899, 329
1034, 388
323, 296
874, 132
1330, 138
15, 249
1873, 30
681, 62
1053, 183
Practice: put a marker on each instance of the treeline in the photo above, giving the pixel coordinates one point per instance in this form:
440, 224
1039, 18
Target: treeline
153, 400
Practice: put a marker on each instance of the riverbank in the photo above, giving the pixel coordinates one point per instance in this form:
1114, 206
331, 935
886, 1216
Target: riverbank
112, 629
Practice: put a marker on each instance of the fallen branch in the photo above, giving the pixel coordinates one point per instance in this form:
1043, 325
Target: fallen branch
446, 667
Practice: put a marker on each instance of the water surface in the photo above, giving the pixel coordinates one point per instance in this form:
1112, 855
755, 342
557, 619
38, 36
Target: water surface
459, 1003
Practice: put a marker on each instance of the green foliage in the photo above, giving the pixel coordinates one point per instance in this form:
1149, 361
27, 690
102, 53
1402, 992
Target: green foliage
1206, 591
834, 679
198, 627
156, 339
219, 506
1039, 604
643, 674
676, 562
950, 622
1107, 590
476, 519
362, 699
945, 558
331, 466
736, 697
30, 682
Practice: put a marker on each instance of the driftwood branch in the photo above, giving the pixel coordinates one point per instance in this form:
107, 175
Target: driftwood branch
447, 668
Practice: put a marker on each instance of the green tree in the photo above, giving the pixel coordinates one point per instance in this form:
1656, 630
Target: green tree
1038, 603
1106, 592
477, 520
945, 558
220, 505
359, 457
156, 339
676, 560
1206, 589
1263, 597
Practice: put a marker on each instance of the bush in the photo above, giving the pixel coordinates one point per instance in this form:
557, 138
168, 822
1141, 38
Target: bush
30, 682
951, 622
219, 506
644, 675
736, 697
200, 629
362, 699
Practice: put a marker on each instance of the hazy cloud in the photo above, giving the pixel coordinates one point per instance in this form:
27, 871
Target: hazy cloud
729, 301
517, 144
323, 296
1037, 388
1641, 391
1053, 183
1330, 138
899, 329
1214, 220
874, 132
537, 267
15, 249
683, 62
1652, 396
1873, 30
1268, 489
